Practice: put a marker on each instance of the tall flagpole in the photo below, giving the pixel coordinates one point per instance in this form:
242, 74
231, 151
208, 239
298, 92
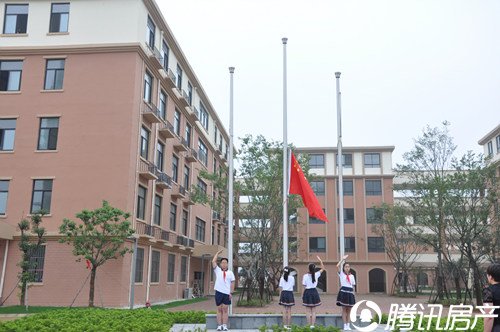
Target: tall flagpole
340, 169
230, 180
285, 162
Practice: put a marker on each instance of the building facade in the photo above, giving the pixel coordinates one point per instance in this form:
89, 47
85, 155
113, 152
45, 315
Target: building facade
98, 102
368, 181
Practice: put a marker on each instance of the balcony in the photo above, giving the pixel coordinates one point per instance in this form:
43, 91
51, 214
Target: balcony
188, 200
177, 92
178, 192
191, 155
151, 113
182, 145
166, 130
171, 80
193, 112
147, 170
184, 98
219, 150
156, 56
164, 181
215, 216
183, 241
144, 230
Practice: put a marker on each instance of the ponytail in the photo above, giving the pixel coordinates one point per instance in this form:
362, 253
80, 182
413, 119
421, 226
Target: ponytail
286, 272
312, 267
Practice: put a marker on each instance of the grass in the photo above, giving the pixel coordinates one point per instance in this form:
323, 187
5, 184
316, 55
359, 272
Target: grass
18, 309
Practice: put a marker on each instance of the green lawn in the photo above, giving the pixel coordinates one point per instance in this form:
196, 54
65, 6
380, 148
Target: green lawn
17, 309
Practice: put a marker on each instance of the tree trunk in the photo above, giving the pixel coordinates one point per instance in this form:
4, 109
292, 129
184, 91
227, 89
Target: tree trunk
92, 286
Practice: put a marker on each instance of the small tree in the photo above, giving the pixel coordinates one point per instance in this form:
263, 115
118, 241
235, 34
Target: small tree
98, 238
29, 229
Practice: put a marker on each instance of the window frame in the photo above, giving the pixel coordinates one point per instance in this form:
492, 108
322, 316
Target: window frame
52, 16
371, 163
50, 129
43, 199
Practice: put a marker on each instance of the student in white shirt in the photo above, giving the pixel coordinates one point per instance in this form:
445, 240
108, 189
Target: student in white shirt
224, 287
310, 298
287, 282
345, 298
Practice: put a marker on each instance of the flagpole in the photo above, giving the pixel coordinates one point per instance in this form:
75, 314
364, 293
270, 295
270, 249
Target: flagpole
340, 169
285, 162
230, 180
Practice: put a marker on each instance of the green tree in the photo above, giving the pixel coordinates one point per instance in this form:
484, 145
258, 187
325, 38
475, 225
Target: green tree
98, 238
30, 243
425, 171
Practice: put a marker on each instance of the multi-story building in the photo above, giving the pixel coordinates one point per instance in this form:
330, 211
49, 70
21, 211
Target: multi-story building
98, 102
491, 145
368, 181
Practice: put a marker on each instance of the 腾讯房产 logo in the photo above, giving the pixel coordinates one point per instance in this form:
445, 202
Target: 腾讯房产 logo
366, 315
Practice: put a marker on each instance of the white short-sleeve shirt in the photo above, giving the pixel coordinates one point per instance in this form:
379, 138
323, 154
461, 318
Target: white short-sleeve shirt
307, 280
223, 285
287, 285
346, 283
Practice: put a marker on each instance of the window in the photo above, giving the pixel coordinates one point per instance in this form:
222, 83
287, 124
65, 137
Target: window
202, 152
218, 235
7, 134
348, 187
186, 177
316, 160
4, 193
54, 74
349, 244
16, 19
293, 245
173, 217
498, 143
183, 268
372, 160
375, 244
144, 143
317, 244
177, 122
216, 135
373, 216
47, 137
348, 215
225, 238
10, 75
148, 87
185, 222
373, 187
141, 203
213, 235
165, 51
160, 152
190, 93
179, 77
187, 135
157, 211
346, 160
200, 230
203, 116
171, 268
318, 186
139, 264
150, 33
202, 185
37, 261
59, 17
175, 168
155, 266
313, 220
163, 105
42, 195
490, 148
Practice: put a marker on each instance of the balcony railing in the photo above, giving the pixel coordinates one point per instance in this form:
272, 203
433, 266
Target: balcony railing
143, 229
166, 129
147, 169
163, 180
151, 113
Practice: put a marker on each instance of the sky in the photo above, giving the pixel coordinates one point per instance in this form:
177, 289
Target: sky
404, 65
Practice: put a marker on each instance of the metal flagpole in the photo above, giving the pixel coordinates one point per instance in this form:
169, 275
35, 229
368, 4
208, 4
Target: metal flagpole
340, 169
230, 181
285, 161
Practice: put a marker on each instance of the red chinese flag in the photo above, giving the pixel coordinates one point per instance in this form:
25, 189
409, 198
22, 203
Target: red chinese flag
300, 186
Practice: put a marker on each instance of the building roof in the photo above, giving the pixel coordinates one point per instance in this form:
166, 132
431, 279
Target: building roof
347, 148
489, 135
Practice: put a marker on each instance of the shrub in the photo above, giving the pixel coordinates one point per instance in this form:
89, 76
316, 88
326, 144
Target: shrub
104, 320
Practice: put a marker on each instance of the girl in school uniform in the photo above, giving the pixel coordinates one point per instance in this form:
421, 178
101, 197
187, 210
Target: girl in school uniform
310, 298
345, 298
287, 282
